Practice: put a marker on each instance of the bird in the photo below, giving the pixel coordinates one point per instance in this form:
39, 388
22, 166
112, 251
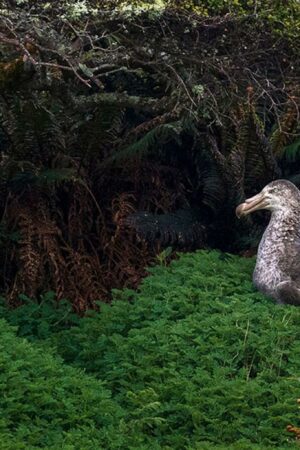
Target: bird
277, 269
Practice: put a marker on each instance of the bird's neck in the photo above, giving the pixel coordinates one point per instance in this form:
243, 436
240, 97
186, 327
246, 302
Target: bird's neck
282, 222
278, 217
281, 213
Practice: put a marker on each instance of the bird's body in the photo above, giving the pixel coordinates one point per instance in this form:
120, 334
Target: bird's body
278, 257
277, 270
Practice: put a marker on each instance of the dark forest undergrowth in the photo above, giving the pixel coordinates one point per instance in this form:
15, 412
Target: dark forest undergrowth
125, 131
196, 359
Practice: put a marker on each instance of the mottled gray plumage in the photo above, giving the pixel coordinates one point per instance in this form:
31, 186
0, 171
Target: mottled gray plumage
277, 270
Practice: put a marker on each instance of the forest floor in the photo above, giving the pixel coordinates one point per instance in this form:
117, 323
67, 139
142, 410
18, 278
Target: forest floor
195, 359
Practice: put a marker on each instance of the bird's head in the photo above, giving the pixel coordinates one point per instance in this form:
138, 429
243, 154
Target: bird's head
279, 195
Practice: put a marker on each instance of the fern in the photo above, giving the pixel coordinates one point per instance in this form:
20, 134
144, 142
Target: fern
209, 182
151, 142
57, 175
281, 136
35, 132
39, 319
100, 130
46, 404
260, 163
183, 228
48, 177
291, 153
196, 357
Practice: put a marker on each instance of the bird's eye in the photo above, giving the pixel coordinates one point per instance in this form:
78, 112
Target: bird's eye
273, 191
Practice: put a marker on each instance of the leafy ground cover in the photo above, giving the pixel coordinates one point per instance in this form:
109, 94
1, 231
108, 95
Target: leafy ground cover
45, 404
196, 359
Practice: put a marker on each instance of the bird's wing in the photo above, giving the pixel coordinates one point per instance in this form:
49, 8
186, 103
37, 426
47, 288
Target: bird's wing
293, 261
287, 292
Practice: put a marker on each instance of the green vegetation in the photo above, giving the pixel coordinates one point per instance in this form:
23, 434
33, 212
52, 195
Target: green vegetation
114, 148
130, 130
39, 319
196, 359
45, 404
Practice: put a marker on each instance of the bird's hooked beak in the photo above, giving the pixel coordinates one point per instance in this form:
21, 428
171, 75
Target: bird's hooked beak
259, 201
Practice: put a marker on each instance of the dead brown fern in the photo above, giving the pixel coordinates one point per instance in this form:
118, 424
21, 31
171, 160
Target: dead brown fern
80, 213
122, 206
86, 281
53, 260
126, 256
295, 431
29, 275
38, 251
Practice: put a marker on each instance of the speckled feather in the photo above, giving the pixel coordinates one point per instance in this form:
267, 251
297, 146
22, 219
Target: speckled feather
277, 270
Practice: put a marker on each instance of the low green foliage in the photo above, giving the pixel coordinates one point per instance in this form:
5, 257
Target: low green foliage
45, 404
196, 355
39, 319
195, 360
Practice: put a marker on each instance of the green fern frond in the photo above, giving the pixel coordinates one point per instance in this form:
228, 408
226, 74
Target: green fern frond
295, 178
151, 142
255, 148
58, 175
43, 178
291, 153
34, 130
100, 130
214, 194
281, 135
182, 228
